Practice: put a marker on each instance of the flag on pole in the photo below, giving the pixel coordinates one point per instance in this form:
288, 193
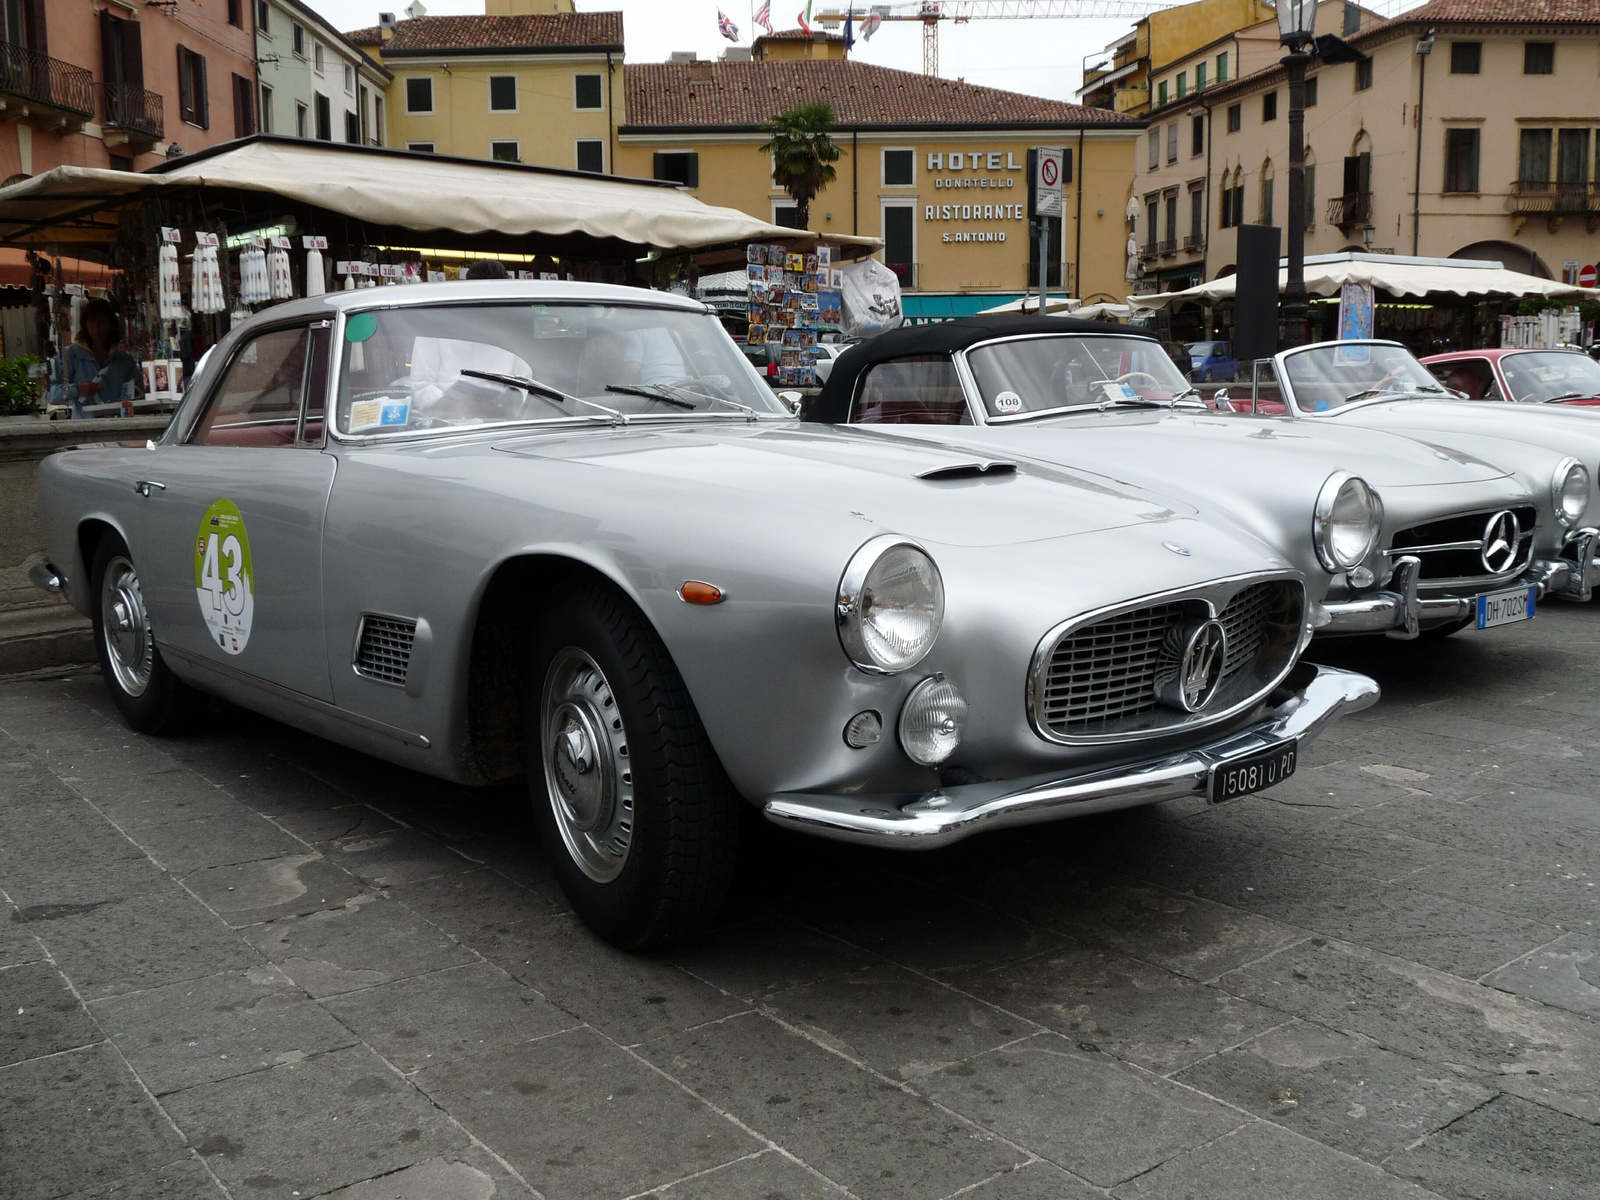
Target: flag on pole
763, 15
805, 25
869, 26
849, 29
728, 28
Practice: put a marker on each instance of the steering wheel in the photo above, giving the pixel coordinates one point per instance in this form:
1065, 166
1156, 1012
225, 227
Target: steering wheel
1137, 375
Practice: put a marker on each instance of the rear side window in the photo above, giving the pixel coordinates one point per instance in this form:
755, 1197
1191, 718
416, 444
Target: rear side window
258, 400
922, 390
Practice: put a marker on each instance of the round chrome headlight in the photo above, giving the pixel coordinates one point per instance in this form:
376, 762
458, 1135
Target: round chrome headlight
1347, 521
890, 606
1569, 491
933, 721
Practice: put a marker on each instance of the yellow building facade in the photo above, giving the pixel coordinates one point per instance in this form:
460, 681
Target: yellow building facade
523, 83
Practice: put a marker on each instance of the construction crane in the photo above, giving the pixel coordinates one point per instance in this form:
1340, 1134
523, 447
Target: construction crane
931, 12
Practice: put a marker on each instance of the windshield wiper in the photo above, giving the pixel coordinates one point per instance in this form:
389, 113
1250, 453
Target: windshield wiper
649, 392
553, 396
663, 391
1565, 396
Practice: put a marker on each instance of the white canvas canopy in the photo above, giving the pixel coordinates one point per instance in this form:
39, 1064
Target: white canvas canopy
1062, 306
402, 190
1399, 276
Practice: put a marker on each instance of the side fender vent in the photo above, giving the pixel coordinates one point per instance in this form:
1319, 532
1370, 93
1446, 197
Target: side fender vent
383, 648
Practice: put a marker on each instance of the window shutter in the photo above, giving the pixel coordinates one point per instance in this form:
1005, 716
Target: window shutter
692, 168
1066, 165
110, 48
185, 87
202, 95
33, 26
1352, 174
656, 166
132, 54
243, 115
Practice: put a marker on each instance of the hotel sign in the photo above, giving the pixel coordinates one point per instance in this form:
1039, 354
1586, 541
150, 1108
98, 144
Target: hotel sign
966, 169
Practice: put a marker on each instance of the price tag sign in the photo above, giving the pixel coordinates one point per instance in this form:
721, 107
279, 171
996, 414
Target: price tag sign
257, 242
205, 239
74, 289
170, 236
386, 270
281, 243
314, 243
341, 268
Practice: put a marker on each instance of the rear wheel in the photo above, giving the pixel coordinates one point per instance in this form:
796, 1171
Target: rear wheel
150, 697
632, 805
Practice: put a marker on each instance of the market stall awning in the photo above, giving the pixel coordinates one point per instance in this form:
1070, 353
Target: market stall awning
1399, 276
397, 190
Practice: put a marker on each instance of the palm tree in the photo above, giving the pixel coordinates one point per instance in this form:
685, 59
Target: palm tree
803, 153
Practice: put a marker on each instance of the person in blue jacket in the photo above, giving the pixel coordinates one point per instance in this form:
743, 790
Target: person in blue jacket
94, 370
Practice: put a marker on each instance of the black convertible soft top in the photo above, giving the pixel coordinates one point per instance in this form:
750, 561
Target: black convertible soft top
833, 405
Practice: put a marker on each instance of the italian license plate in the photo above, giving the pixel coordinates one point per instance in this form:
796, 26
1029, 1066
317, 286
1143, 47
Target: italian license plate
1505, 608
1252, 772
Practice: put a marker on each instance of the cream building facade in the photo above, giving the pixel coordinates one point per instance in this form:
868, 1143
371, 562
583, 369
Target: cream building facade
1472, 132
529, 81
315, 82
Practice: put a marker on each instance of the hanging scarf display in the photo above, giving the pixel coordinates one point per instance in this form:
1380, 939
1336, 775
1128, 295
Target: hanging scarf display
169, 284
253, 285
316, 281
280, 282
205, 294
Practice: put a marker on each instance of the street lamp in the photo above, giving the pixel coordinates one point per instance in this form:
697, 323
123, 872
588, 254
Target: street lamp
1297, 30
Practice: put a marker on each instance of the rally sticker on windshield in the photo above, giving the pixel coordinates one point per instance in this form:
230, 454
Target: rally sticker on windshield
1007, 403
224, 579
1119, 391
379, 414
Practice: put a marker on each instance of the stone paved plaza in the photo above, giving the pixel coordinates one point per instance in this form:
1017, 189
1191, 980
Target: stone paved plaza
248, 963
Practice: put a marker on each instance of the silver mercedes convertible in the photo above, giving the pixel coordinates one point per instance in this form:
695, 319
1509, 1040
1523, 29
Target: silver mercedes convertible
563, 531
1107, 398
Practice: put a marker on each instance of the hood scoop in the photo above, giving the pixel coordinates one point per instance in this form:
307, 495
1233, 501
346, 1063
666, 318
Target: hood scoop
976, 469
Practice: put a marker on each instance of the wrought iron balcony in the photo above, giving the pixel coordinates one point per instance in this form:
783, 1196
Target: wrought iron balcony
39, 80
1167, 246
1553, 197
1352, 208
133, 110
1193, 242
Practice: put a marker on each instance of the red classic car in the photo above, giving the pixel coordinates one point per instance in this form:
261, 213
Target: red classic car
1520, 376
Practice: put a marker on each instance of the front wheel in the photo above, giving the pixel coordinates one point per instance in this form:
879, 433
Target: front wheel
632, 805
150, 697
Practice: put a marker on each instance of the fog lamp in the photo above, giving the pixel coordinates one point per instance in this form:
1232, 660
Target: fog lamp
933, 721
863, 730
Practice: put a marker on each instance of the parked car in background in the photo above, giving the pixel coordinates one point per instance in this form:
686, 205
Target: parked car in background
1555, 450
498, 529
827, 354
1565, 376
1104, 398
1212, 362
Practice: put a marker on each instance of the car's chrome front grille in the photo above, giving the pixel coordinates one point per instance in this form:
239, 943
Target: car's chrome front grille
383, 650
1451, 549
1100, 680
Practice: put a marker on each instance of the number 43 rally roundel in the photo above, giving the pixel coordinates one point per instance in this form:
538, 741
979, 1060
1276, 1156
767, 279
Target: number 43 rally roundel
224, 579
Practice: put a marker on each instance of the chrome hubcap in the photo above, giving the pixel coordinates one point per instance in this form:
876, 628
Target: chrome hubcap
130, 648
586, 769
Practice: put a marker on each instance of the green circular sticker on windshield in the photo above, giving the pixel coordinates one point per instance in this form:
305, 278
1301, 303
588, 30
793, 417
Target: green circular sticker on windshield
224, 578
360, 327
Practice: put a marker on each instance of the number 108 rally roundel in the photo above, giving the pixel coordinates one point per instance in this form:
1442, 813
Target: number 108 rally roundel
223, 576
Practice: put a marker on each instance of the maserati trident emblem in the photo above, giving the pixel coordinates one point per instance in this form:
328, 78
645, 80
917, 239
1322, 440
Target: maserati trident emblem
1500, 538
1195, 666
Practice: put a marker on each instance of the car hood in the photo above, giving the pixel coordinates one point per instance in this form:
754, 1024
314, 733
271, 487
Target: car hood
1221, 449
780, 468
1564, 431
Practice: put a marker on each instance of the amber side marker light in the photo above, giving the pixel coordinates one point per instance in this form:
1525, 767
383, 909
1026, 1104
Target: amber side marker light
697, 592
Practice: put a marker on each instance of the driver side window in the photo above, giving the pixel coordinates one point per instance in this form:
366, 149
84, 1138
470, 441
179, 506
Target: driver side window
921, 390
258, 401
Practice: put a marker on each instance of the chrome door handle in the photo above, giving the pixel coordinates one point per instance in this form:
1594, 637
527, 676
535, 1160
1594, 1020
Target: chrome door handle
145, 486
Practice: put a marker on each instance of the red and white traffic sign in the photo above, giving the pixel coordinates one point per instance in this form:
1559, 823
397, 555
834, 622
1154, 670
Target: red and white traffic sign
1047, 180
1587, 276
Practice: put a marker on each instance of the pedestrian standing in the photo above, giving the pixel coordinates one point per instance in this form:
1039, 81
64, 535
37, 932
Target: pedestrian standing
94, 369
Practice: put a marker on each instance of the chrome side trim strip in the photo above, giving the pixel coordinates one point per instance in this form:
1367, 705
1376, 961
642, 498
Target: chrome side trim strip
926, 821
277, 690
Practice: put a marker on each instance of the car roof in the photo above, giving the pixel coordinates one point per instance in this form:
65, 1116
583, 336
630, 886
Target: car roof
1501, 352
478, 291
946, 337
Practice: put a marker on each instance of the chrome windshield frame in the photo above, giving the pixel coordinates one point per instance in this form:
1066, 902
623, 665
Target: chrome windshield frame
1280, 370
969, 381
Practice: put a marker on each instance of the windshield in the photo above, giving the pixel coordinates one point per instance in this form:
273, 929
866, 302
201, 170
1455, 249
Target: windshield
1200, 349
1544, 375
1326, 377
1045, 374
438, 366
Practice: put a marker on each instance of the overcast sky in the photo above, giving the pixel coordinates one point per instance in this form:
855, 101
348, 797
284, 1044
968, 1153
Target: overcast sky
1042, 58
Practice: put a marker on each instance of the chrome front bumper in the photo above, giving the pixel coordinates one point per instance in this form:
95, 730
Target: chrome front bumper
47, 577
1310, 700
1400, 613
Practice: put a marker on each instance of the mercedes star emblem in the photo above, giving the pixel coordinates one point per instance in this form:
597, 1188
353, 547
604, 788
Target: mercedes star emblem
1500, 538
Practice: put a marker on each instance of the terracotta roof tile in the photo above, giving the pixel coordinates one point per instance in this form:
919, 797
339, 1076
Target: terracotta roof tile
372, 35
749, 94
552, 31
800, 35
1516, 11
